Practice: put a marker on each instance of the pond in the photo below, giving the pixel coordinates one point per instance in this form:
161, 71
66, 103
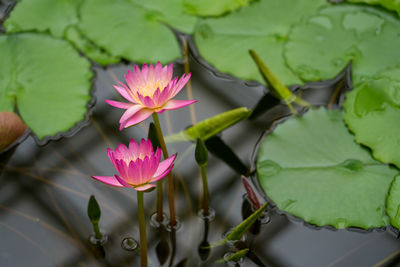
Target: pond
44, 190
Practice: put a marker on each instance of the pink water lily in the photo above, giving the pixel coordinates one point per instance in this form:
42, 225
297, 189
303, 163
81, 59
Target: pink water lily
138, 166
149, 90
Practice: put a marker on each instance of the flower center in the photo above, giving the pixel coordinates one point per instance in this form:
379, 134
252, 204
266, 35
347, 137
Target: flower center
150, 87
130, 158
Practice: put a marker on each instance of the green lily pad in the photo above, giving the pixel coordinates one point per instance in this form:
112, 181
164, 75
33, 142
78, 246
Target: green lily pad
62, 18
393, 203
59, 18
213, 8
389, 4
126, 30
46, 80
262, 26
312, 168
44, 16
373, 114
323, 44
171, 12
92, 51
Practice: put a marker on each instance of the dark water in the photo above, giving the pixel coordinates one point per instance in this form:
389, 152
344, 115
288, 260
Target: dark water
44, 193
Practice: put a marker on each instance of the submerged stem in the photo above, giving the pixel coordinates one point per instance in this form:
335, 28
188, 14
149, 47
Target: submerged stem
159, 200
170, 178
142, 229
206, 200
97, 232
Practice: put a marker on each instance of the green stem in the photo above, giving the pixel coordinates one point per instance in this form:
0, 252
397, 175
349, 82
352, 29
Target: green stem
205, 191
142, 229
160, 200
170, 178
97, 232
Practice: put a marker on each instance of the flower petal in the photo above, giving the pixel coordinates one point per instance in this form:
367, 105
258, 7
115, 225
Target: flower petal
110, 180
169, 72
118, 104
164, 165
121, 181
162, 175
162, 98
133, 149
111, 156
130, 112
124, 91
145, 148
176, 104
137, 118
122, 168
122, 150
144, 187
134, 176
180, 84
146, 170
147, 101
158, 69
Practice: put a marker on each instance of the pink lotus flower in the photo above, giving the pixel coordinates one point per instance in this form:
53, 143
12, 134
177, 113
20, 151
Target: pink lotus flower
149, 90
138, 166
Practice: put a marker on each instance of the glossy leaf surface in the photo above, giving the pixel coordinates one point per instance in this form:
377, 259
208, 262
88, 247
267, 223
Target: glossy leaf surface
46, 79
126, 30
312, 168
262, 26
213, 8
324, 43
393, 203
373, 115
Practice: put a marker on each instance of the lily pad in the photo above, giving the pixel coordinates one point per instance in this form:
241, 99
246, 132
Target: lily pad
262, 26
213, 8
46, 80
393, 203
171, 12
389, 4
44, 16
126, 30
91, 50
312, 168
373, 114
61, 19
323, 44
58, 18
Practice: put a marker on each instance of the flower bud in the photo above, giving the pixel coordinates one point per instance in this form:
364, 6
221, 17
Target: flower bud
11, 127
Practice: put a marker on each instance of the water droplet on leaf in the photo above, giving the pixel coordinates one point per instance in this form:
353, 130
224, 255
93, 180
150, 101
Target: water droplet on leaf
268, 167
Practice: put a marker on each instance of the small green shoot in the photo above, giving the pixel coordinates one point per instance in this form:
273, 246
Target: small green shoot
211, 126
276, 87
234, 257
242, 228
94, 214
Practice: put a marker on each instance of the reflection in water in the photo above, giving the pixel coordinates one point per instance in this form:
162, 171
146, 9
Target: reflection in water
204, 248
162, 247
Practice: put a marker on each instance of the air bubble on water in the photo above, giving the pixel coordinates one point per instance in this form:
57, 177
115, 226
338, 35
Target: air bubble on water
98, 241
155, 223
210, 216
176, 227
129, 244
